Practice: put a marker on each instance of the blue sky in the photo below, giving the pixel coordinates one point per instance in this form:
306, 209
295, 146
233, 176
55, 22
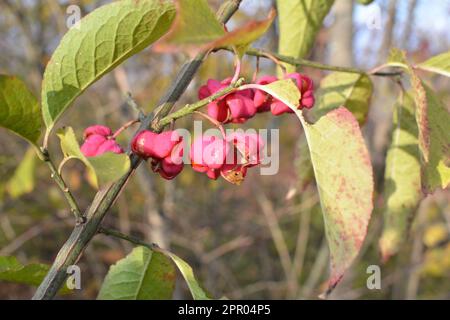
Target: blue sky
432, 22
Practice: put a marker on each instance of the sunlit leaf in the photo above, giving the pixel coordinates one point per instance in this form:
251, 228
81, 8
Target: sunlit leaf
422, 115
438, 64
284, 90
19, 109
365, 2
402, 191
344, 178
142, 275
343, 174
351, 90
22, 181
245, 35
102, 40
436, 172
189, 32
195, 24
397, 58
107, 167
436, 234
436, 262
299, 22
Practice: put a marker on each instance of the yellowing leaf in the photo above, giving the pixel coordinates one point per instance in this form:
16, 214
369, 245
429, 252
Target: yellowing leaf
423, 123
351, 90
142, 275
22, 181
436, 172
188, 274
283, 90
19, 109
343, 174
102, 40
299, 22
107, 167
195, 24
189, 31
437, 262
245, 35
397, 58
344, 178
402, 191
435, 234
438, 64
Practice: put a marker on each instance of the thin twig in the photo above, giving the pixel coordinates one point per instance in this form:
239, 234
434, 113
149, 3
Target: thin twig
104, 199
313, 64
132, 239
44, 156
124, 127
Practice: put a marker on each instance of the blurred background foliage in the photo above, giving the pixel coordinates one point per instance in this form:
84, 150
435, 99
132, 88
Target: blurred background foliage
263, 239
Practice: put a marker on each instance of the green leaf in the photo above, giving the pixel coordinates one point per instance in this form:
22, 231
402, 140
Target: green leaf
436, 172
351, 90
103, 39
195, 24
19, 109
439, 64
299, 21
142, 275
365, 2
107, 167
12, 270
433, 122
283, 90
402, 189
22, 181
189, 32
344, 178
397, 58
243, 36
188, 274
343, 174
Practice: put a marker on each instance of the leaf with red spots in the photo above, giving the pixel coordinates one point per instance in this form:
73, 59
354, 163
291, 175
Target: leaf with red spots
420, 97
343, 173
397, 58
433, 122
142, 275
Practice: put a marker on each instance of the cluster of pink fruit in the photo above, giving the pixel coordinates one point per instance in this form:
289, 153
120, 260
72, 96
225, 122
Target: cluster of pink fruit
228, 156
240, 106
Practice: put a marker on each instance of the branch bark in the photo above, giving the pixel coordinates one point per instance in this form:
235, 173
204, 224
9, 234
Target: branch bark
82, 234
313, 64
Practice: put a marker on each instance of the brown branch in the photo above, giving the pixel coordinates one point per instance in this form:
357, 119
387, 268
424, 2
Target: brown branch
104, 199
